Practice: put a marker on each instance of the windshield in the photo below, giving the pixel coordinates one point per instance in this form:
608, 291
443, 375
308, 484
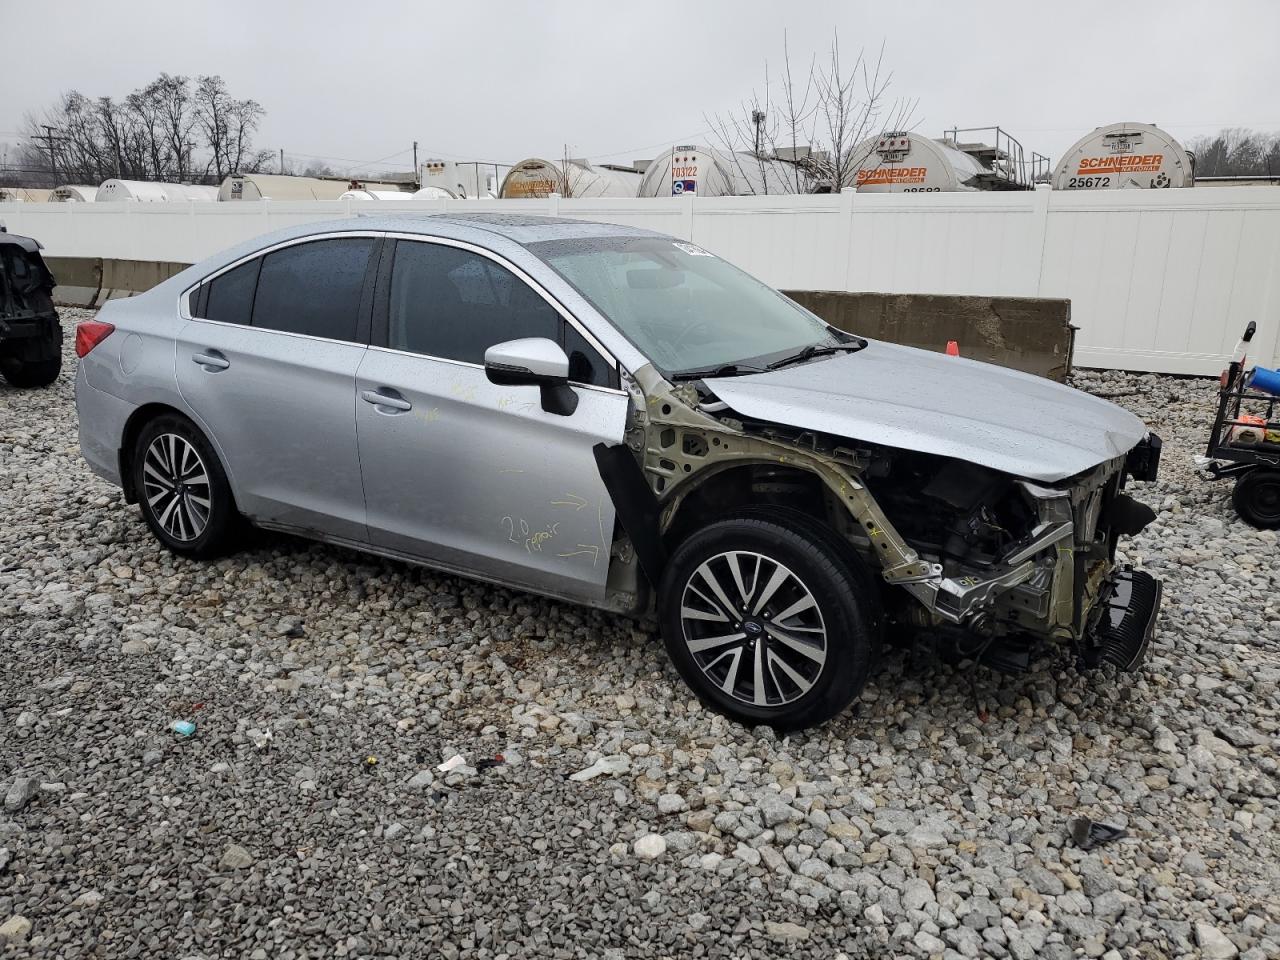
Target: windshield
685, 309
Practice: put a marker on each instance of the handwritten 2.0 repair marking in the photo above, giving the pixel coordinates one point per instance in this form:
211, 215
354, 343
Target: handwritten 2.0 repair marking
532, 540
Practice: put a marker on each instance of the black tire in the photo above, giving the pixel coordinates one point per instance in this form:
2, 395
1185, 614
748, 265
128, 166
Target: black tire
165, 508
843, 615
1257, 498
30, 373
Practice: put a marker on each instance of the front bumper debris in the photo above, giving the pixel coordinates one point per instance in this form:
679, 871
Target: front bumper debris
1128, 610
1143, 461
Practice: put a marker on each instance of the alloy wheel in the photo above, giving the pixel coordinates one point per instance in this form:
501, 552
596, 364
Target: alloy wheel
176, 486
754, 629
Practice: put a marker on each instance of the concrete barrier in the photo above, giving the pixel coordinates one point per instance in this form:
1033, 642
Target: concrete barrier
1032, 334
92, 281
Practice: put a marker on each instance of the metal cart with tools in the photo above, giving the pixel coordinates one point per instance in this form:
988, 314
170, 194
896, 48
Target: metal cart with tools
1244, 442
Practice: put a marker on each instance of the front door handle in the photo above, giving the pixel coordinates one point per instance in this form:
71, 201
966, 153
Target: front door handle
212, 360
389, 399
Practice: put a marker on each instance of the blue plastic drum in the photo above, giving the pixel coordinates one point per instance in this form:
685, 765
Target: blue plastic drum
1260, 378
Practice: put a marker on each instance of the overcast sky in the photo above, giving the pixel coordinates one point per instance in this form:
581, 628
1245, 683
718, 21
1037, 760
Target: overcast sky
506, 80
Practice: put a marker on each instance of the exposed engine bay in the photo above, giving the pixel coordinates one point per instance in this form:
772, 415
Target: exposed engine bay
964, 551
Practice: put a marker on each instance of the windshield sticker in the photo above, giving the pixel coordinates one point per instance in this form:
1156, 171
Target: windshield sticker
690, 249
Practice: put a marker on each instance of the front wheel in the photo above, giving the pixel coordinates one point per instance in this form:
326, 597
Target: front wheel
1257, 498
770, 621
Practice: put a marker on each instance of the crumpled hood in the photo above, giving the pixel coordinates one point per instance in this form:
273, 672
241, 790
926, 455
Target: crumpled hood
918, 400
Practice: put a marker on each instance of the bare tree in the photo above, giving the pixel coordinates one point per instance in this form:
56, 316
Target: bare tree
854, 108
161, 131
564, 176
1237, 152
212, 106
228, 126
170, 103
816, 123
245, 117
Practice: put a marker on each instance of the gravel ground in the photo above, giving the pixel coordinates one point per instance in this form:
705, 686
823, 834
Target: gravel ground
933, 822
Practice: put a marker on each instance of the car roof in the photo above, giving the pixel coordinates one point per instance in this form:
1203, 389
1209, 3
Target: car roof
520, 228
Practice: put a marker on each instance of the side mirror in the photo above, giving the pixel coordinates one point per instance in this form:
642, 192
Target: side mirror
533, 362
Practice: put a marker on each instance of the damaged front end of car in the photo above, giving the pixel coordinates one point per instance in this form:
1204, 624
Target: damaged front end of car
984, 561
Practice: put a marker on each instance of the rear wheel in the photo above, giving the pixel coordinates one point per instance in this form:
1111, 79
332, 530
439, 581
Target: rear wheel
1257, 498
768, 621
182, 489
30, 373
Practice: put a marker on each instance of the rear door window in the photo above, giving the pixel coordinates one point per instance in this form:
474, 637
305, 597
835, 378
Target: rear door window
228, 298
314, 288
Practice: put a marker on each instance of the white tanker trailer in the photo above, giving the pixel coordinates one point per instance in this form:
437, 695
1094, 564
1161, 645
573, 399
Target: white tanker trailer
74, 193
1124, 156
706, 172
463, 180
24, 195
573, 178
376, 195
432, 193
145, 191
905, 162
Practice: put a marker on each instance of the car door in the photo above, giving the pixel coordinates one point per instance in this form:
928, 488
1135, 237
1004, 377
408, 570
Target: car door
467, 474
268, 364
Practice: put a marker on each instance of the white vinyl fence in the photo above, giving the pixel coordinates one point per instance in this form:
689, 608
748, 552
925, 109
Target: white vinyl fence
1159, 280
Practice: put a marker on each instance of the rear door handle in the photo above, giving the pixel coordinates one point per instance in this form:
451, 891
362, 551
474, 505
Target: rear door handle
211, 360
389, 399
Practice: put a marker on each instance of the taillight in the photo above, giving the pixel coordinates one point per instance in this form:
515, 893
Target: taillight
91, 333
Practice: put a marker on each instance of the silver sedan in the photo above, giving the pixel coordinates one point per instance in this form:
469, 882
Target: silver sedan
619, 418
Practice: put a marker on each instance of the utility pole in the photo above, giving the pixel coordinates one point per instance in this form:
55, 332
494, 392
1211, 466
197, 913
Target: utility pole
417, 180
282, 161
49, 140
